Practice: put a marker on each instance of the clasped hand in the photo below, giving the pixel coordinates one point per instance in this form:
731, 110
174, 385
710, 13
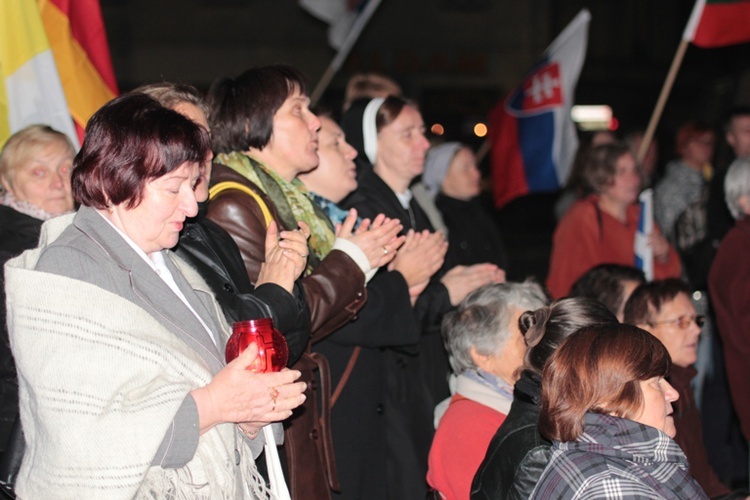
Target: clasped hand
237, 395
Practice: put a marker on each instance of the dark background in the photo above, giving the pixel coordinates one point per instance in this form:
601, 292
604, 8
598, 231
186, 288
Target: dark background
456, 57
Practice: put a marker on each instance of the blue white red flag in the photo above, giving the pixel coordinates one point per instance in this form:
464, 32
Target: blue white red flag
533, 137
644, 255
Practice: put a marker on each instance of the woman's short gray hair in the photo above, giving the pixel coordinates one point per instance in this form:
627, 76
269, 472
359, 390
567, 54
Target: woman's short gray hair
737, 185
481, 320
27, 142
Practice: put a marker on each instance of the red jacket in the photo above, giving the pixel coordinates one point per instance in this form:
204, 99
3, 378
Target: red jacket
587, 236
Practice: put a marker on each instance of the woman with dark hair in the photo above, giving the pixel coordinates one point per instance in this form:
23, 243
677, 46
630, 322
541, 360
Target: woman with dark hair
264, 136
600, 228
665, 309
610, 284
129, 394
213, 253
607, 409
389, 135
518, 454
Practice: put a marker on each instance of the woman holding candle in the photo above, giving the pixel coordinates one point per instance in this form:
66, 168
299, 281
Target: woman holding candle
132, 397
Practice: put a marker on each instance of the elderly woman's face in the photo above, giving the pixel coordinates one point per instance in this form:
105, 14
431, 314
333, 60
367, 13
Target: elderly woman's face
682, 343
43, 178
402, 145
156, 222
657, 405
505, 363
462, 179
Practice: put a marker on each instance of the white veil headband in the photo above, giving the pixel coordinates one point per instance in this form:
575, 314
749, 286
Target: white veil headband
369, 128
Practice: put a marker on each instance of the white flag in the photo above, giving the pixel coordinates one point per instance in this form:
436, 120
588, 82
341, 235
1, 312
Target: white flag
644, 254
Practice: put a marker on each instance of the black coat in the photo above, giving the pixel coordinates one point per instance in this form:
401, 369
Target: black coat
416, 375
214, 254
358, 417
18, 232
517, 454
473, 237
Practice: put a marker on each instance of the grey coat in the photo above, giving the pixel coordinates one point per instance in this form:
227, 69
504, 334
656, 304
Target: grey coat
92, 251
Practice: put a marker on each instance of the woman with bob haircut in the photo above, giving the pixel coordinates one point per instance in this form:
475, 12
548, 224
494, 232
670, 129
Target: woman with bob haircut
600, 227
607, 410
128, 394
212, 251
264, 136
518, 454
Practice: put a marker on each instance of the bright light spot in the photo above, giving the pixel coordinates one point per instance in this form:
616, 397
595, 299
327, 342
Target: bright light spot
480, 129
593, 117
437, 129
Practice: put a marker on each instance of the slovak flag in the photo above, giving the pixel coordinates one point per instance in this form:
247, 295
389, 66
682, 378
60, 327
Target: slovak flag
533, 137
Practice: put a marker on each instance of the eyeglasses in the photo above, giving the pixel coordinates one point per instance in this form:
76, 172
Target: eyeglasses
683, 322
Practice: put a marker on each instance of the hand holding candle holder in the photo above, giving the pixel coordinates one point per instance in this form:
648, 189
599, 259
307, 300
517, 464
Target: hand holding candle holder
273, 352
273, 355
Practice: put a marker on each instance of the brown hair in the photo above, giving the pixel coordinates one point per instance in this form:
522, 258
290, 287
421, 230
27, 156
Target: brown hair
598, 369
605, 283
545, 328
242, 108
130, 141
600, 166
647, 299
691, 131
369, 85
390, 109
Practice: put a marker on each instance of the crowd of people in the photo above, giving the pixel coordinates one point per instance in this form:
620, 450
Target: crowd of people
415, 370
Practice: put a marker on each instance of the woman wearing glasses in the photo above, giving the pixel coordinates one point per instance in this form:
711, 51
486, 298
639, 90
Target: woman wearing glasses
664, 309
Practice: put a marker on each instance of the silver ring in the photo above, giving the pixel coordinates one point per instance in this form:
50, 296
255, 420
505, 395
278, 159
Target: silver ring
385, 250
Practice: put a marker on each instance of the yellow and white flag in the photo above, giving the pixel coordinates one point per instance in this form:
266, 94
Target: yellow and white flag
30, 88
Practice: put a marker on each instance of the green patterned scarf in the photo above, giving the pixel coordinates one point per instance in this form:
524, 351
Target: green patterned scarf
291, 200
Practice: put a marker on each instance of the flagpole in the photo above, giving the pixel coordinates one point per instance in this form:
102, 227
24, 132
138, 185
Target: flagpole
665, 90
343, 53
687, 35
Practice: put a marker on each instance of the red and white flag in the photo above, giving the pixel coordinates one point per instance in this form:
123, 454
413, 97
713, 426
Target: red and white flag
716, 23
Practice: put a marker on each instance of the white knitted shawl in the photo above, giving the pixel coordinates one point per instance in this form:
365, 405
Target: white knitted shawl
100, 381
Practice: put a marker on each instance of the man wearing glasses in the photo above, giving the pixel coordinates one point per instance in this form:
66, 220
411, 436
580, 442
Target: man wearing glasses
664, 309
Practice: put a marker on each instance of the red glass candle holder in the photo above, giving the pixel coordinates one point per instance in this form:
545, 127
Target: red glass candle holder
273, 352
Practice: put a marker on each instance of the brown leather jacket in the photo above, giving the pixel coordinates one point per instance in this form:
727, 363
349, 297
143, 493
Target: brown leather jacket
335, 291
